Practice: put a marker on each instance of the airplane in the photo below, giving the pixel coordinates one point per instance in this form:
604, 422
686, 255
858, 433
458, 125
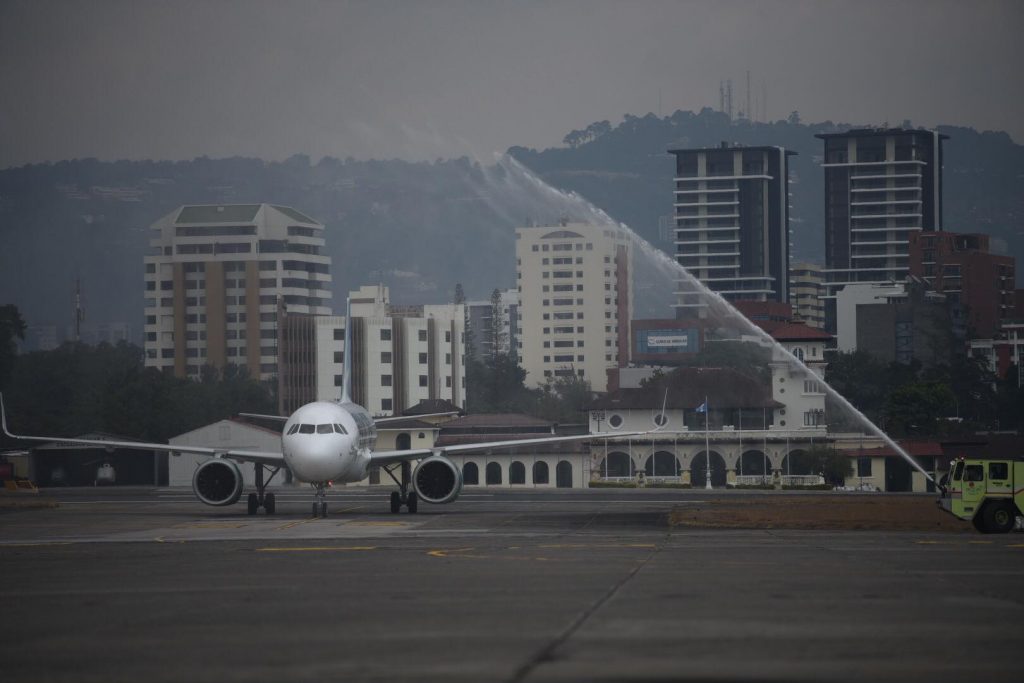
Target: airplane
321, 443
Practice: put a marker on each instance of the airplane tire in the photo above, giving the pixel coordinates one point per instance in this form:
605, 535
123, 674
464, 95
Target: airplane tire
999, 518
253, 503
413, 503
316, 509
323, 510
269, 504
396, 502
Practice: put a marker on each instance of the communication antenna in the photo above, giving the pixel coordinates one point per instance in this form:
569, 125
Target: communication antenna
764, 101
750, 112
79, 311
721, 96
728, 98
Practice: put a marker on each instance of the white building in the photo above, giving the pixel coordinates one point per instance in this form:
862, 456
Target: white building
401, 355
227, 434
846, 301
576, 301
216, 277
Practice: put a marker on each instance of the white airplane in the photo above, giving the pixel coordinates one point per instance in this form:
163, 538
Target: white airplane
321, 443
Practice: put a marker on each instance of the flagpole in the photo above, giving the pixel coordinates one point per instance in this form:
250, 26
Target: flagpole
707, 443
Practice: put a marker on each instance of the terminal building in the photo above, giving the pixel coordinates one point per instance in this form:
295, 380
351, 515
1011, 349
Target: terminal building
217, 279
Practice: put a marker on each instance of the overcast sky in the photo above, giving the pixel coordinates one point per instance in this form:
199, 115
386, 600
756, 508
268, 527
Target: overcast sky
427, 79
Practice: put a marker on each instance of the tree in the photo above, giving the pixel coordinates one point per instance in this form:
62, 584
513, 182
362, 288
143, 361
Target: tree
499, 338
564, 399
12, 327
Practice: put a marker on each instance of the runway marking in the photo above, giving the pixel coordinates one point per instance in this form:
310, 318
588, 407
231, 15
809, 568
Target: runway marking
934, 543
318, 548
378, 523
35, 544
444, 552
597, 545
210, 525
289, 525
980, 542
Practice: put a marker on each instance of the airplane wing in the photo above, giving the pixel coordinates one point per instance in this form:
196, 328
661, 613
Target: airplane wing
388, 457
376, 420
263, 457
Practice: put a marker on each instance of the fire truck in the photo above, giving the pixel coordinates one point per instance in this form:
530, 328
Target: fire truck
988, 492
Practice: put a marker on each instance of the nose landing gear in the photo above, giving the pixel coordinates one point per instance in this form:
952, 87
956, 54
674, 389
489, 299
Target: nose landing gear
320, 502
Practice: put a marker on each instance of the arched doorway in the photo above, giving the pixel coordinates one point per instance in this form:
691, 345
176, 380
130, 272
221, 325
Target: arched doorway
470, 474
517, 473
540, 472
754, 463
662, 464
699, 468
617, 464
563, 475
403, 442
493, 474
799, 462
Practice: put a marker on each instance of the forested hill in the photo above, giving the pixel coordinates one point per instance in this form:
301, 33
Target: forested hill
627, 171
422, 227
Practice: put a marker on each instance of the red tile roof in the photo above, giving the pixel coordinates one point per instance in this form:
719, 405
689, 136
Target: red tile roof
797, 332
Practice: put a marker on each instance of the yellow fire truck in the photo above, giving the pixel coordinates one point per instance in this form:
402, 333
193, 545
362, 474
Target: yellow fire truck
989, 492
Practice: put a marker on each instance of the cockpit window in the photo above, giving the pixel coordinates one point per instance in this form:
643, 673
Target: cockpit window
307, 429
294, 428
324, 429
339, 429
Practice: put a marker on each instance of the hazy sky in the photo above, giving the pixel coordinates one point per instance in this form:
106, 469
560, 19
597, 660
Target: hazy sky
419, 80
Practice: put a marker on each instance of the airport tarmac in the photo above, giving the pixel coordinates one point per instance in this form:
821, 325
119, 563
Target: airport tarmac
562, 585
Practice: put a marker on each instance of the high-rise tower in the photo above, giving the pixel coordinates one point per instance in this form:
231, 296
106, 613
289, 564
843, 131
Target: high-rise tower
217, 278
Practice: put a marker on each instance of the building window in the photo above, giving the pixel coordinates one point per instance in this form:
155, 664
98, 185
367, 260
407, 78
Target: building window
863, 467
385, 380
385, 357
423, 380
339, 334
493, 472
385, 335
423, 359
385, 404
422, 335
339, 356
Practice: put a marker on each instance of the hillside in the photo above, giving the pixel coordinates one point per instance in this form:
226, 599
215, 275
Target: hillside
422, 227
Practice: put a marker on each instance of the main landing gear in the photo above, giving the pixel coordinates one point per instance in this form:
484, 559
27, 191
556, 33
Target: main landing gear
403, 496
320, 502
261, 498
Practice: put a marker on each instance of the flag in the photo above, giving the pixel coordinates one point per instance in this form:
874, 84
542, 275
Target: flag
703, 407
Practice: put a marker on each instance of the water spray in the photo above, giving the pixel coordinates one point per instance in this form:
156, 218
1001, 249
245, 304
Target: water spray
585, 211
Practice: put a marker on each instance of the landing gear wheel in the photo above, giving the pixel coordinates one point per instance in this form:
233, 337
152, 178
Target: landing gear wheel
396, 502
254, 503
323, 510
999, 518
269, 504
316, 509
412, 503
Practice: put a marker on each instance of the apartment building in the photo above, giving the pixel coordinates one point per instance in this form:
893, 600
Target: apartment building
481, 322
732, 221
217, 278
401, 354
806, 288
575, 301
881, 186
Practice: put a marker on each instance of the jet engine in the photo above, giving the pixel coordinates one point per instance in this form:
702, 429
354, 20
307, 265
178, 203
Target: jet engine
437, 480
218, 482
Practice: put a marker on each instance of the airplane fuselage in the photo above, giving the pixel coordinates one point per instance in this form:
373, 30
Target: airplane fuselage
327, 441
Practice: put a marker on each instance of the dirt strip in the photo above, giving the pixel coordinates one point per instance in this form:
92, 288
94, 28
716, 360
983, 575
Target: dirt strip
827, 511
